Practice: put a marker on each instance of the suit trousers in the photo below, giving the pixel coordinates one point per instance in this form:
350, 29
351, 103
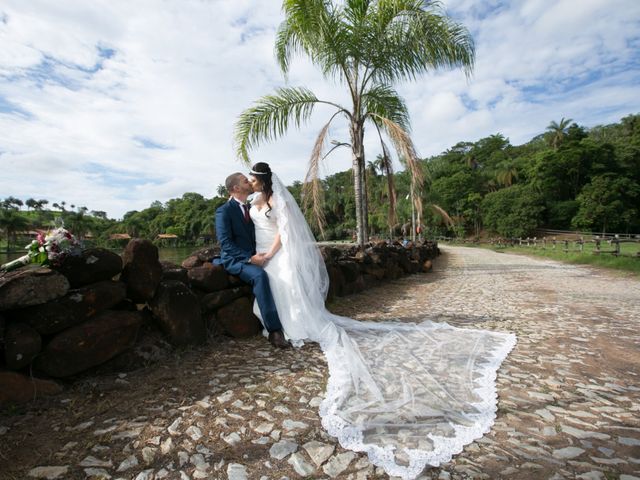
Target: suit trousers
259, 281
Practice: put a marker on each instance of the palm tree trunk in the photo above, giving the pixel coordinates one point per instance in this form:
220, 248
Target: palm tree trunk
365, 199
357, 143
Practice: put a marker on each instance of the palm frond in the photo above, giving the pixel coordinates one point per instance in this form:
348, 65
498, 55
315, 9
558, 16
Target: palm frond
312, 192
270, 117
404, 146
442, 212
384, 101
413, 37
392, 217
314, 27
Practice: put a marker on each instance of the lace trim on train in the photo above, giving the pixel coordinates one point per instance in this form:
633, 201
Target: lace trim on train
351, 437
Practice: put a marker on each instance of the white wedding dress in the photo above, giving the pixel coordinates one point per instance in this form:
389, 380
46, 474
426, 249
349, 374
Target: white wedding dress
409, 395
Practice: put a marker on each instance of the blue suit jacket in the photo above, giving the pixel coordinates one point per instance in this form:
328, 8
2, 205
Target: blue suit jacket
236, 237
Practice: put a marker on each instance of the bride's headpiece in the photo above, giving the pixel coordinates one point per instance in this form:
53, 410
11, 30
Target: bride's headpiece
253, 172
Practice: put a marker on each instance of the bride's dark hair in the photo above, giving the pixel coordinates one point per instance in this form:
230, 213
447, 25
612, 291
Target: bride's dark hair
262, 171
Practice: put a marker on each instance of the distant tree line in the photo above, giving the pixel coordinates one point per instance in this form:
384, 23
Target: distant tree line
568, 177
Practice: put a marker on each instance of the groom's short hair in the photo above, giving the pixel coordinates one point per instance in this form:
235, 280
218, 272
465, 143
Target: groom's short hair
232, 180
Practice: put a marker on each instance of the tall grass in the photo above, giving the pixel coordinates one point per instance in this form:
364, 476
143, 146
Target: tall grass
606, 260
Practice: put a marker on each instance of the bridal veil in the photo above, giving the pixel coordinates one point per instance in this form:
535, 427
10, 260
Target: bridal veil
407, 394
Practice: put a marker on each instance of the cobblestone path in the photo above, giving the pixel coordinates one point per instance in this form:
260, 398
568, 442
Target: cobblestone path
569, 393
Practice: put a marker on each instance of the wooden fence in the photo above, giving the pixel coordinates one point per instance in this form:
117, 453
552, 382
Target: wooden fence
597, 244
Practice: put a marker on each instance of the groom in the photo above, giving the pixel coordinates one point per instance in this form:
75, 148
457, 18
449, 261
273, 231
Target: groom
236, 235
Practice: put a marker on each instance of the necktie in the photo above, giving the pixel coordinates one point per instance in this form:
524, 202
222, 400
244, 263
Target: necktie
245, 210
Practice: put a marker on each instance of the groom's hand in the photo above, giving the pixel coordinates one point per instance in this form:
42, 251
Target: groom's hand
258, 259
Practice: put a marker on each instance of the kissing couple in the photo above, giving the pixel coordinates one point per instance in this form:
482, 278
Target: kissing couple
407, 394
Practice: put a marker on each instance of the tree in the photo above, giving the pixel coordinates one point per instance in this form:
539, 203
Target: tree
78, 222
557, 132
31, 203
367, 45
99, 214
12, 222
607, 203
507, 173
512, 212
12, 202
41, 203
221, 190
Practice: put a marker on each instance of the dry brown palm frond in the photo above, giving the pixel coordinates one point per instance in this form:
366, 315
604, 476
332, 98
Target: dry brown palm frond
392, 218
441, 211
312, 187
404, 146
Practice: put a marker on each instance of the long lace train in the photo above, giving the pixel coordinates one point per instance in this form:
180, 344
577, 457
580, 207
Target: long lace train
434, 391
409, 395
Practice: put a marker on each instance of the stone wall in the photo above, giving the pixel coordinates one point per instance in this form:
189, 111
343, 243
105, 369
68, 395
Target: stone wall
104, 309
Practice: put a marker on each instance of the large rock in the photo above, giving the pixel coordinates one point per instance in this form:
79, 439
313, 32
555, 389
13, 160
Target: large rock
3, 325
237, 319
207, 254
22, 344
215, 300
213, 326
192, 262
376, 271
72, 309
31, 285
336, 281
93, 265
89, 344
177, 311
142, 271
18, 388
208, 277
200, 257
350, 271
171, 271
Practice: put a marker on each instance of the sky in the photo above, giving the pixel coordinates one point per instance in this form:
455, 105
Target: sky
113, 104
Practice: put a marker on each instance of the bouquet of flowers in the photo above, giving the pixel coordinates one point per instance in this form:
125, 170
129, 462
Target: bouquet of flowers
47, 250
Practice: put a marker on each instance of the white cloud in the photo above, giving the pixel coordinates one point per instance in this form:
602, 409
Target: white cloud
84, 85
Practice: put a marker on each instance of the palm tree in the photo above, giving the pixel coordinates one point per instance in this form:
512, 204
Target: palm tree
367, 45
40, 204
557, 131
12, 202
221, 190
507, 173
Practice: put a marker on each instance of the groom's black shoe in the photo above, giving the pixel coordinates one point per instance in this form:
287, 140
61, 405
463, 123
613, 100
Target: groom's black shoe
277, 339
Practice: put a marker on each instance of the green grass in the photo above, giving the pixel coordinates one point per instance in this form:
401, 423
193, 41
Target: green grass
605, 260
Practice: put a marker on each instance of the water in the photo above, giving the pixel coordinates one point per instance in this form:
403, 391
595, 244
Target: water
174, 254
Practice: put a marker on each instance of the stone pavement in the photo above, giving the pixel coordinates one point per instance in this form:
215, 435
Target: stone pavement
569, 393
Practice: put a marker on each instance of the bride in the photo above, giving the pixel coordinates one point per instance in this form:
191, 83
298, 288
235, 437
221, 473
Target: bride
409, 395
